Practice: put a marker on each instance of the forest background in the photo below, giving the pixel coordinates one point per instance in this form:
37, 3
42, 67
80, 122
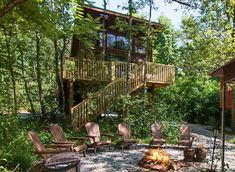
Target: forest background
35, 37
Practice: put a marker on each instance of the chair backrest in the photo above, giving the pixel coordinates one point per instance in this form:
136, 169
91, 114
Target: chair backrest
37, 143
156, 130
125, 130
93, 129
185, 132
57, 132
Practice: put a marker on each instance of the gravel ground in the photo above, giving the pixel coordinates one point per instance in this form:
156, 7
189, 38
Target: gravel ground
105, 161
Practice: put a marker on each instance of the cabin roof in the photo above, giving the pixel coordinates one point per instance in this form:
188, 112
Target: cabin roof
93, 10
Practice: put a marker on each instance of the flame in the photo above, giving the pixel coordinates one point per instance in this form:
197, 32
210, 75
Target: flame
158, 155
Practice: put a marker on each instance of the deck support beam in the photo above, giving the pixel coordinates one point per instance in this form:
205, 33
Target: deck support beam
68, 98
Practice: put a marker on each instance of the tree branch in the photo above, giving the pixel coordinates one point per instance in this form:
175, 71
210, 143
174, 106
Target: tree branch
8, 7
182, 3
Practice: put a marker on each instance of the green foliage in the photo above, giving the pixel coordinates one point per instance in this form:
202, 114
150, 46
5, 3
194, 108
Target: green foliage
109, 125
15, 149
171, 131
232, 140
141, 113
165, 46
196, 100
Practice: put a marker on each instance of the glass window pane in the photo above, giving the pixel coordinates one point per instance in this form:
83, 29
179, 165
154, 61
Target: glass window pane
122, 43
111, 41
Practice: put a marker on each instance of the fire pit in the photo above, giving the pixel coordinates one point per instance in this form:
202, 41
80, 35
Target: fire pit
158, 160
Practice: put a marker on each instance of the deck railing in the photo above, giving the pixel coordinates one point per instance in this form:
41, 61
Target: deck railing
100, 101
116, 74
160, 73
87, 69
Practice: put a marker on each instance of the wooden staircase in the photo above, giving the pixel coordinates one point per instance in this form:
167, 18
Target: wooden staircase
116, 74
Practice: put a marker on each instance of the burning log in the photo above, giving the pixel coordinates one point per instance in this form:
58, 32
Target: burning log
158, 160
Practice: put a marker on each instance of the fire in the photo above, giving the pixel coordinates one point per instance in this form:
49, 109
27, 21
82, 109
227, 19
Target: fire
159, 156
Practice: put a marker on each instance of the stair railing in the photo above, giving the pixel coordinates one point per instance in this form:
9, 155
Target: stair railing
90, 108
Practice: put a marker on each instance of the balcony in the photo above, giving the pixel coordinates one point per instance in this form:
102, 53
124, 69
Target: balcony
84, 69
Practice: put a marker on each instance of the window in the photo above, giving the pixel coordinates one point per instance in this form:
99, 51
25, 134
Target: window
111, 41
140, 45
122, 43
118, 42
100, 42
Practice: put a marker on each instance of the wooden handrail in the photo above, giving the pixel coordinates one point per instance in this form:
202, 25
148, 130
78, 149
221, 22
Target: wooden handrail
91, 107
159, 73
86, 69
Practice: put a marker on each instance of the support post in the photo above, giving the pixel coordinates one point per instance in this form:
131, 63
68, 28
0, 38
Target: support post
68, 98
222, 125
233, 109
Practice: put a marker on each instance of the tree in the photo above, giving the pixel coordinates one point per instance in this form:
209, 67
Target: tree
9, 6
165, 45
53, 21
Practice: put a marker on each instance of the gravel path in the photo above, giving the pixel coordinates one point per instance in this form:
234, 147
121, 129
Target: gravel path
105, 161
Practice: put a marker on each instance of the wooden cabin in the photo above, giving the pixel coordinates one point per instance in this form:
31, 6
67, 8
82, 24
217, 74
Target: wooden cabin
93, 82
226, 74
115, 41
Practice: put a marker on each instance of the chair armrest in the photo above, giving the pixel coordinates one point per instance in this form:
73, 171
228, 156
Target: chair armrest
193, 136
76, 138
61, 142
50, 151
108, 135
120, 134
93, 137
80, 139
59, 146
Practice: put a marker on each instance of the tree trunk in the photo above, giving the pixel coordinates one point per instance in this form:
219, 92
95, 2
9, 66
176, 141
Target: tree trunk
62, 53
233, 31
9, 6
22, 66
40, 92
105, 4
147, 47
11, 70
129, 44
56, 56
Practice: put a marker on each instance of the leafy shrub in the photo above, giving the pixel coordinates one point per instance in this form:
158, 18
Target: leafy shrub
15, 148
171, 131
109, 125
18, 152
141, 113
232, 140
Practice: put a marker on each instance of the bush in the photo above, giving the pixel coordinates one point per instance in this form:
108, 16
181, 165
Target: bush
232, 140
16, 152
141, 113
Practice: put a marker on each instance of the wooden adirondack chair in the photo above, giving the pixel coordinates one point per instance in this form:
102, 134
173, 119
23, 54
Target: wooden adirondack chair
124, 130
94, 135
59, 138
157, 137
186, 138
57, 155
45, 151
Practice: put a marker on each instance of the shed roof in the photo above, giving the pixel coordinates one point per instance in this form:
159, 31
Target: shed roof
227, 71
